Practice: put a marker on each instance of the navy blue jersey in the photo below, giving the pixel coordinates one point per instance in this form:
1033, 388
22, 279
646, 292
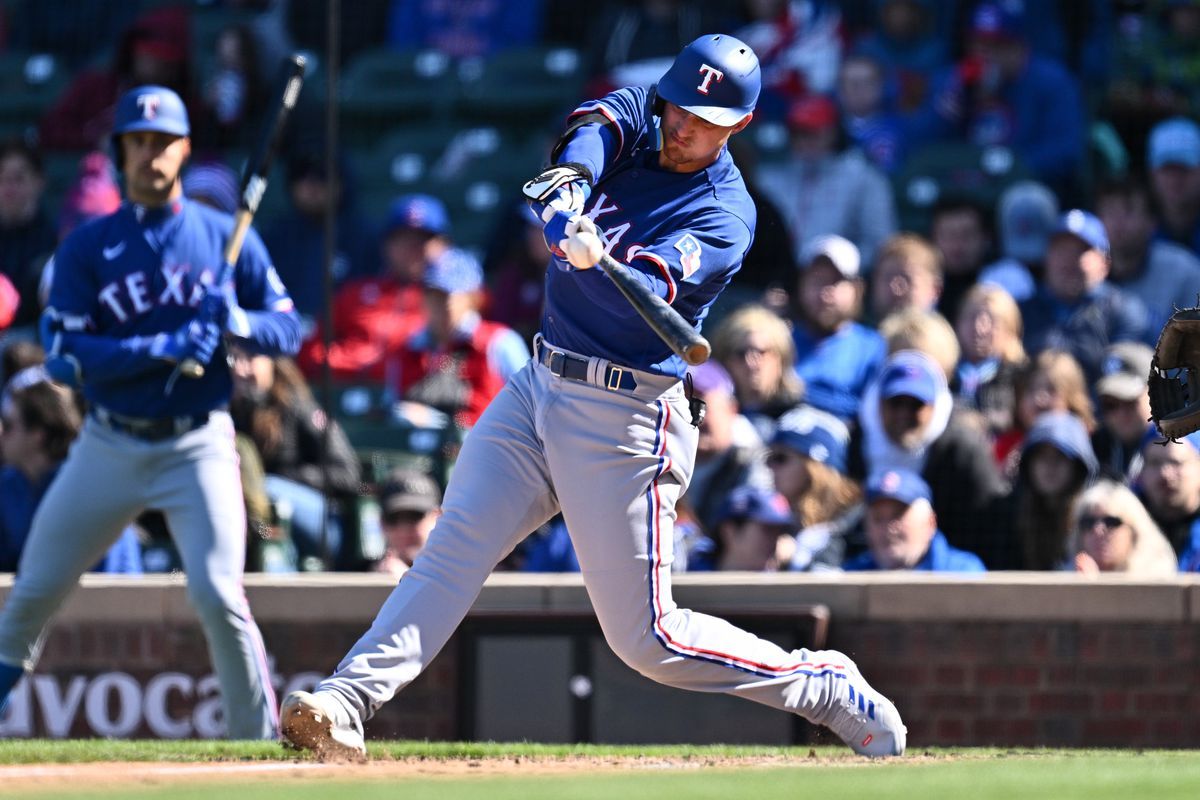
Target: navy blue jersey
121, 279
684, 234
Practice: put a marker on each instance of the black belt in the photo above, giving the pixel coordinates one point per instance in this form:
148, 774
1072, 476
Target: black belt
575, 368
150, 429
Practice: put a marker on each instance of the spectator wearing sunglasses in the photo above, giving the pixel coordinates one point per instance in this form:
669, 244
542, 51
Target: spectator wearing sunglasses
755, 346
1111, 531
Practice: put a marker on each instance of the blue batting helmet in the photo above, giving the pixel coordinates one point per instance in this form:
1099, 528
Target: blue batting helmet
150, 108
716, 78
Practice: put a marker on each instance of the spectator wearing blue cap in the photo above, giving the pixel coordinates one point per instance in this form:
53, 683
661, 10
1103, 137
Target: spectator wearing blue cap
1002, 94
458, 361
902, 529
376, 314
807, 459
836, 356
1169, 486
909, 422
753, 525
1173, 156
1076, 309
1029, 528
1162, 274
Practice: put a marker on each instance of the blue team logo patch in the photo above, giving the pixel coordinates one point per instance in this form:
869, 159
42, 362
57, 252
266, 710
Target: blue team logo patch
689, 254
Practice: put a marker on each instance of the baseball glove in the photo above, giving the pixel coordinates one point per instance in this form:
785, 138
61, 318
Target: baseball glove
1174, 379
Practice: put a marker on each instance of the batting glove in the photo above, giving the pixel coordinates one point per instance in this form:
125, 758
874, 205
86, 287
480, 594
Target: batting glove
561, 187
574, 239
196, 339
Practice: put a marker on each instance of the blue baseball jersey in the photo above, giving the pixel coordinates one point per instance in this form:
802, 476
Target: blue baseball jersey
123, 278
684, 234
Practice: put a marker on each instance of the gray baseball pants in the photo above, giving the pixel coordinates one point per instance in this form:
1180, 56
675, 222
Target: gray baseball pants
615, 462
106, 481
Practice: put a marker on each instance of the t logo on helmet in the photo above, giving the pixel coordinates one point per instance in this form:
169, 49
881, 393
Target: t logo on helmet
148, 103
709, 74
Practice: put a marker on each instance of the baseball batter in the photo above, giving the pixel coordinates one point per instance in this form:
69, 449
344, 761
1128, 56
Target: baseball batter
131, 297
599, 425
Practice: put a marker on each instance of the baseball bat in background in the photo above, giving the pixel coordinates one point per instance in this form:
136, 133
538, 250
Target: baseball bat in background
254, 180
670, 326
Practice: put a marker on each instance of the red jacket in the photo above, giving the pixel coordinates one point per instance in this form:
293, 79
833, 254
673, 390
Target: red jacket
455, 379
371, 318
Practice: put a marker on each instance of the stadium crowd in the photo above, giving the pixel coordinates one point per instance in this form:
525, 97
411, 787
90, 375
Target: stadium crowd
973, 219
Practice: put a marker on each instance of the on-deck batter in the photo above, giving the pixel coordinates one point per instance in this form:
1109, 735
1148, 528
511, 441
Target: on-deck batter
121, 315
598, 425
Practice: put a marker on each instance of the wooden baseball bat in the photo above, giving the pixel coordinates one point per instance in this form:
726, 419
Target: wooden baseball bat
670, 326
254, 180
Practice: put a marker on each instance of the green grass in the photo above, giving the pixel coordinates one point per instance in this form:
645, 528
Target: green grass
962, 774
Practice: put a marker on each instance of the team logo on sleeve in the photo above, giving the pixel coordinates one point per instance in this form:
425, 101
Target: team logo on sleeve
689, 254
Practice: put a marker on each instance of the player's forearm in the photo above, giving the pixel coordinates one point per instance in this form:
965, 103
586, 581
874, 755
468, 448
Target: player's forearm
103, 359
273, 333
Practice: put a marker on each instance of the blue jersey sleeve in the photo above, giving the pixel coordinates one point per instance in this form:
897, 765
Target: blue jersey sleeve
274, 325
599, 145
68, 324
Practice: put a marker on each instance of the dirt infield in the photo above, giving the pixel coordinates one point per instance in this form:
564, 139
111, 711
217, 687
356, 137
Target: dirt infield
100, 776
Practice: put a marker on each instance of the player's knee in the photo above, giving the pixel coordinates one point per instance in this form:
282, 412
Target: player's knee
643, 654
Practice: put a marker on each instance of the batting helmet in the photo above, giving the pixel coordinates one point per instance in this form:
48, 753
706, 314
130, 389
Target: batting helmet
716, 78
149, 108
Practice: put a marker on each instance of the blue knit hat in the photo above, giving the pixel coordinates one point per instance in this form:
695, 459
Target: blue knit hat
814, 434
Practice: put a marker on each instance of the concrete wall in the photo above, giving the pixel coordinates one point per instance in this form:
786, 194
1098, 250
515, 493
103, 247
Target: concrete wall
1014, 659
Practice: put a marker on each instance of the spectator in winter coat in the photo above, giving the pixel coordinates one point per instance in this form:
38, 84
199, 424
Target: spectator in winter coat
1029, 528
908, 423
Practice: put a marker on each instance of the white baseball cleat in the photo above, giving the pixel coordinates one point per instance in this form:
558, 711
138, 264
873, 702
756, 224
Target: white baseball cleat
837, 696
316, 722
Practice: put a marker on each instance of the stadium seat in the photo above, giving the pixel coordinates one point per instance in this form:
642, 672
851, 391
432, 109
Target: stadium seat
383, 87
521, 84
952, 169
